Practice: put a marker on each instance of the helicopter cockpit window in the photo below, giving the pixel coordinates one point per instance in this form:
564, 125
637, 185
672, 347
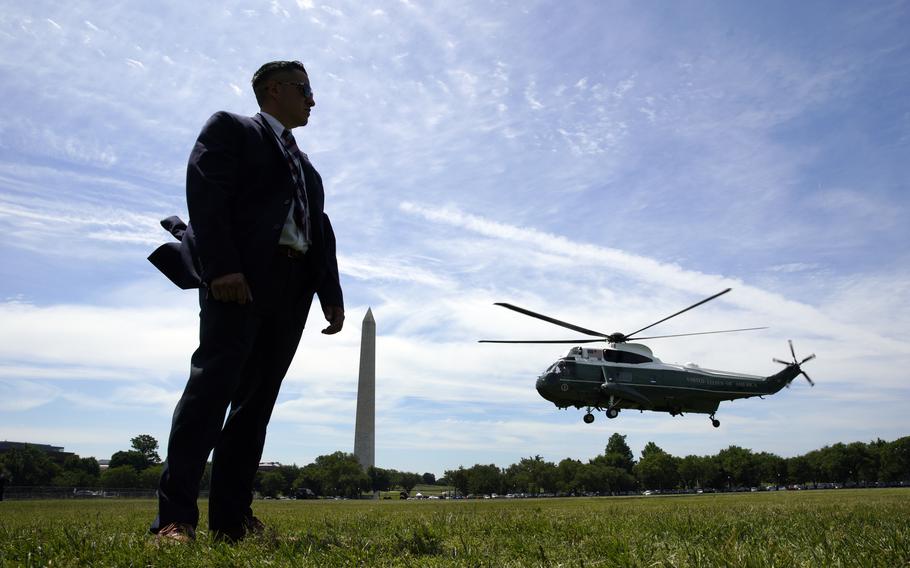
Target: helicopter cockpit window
616, 356
562, 367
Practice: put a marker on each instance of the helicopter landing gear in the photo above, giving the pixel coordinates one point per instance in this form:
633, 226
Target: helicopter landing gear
715, 422
612, 412
588, 418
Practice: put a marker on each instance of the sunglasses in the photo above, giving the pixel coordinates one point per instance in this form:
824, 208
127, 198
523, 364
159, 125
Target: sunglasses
303, 88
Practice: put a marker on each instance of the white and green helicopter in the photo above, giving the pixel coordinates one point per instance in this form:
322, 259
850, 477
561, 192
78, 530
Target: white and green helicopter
628, 375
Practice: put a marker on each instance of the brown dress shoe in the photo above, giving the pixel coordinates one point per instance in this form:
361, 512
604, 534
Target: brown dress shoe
254, 526
176, 532
251, 526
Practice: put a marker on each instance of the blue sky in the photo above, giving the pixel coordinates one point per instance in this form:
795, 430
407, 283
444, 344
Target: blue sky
607, 163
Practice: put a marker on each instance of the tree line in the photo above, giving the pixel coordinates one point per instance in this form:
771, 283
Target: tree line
613, 471
337, 474
139, 467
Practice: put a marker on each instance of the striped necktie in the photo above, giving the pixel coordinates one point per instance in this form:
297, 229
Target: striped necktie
296, 159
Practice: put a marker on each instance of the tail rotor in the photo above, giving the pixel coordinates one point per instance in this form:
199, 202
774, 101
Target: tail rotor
797, 364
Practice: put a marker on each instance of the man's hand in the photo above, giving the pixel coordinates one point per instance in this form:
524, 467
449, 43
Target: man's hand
335, 316
231, 288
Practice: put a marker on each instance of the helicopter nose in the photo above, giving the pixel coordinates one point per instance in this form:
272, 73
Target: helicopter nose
544, 387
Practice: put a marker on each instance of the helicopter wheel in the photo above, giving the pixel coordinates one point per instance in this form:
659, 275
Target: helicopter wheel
612, 413
715, 422
588, 418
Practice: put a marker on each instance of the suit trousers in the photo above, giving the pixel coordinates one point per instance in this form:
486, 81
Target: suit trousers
243, 355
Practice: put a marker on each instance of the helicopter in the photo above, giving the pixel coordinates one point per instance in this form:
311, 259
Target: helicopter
628, 375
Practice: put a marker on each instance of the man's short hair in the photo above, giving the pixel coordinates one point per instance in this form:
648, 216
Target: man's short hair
269, 70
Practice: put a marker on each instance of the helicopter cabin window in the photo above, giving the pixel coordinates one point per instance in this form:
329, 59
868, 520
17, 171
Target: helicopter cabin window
596, 354
616, 356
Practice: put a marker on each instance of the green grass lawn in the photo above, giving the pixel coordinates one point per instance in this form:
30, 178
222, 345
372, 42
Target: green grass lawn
807, 528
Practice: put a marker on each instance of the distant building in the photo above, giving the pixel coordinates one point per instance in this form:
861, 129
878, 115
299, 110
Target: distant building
268, 466
56, 453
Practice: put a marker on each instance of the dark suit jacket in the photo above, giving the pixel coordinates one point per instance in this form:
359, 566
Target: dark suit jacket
239, 191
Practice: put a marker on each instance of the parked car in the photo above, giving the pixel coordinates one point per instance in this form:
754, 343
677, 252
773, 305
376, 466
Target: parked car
304, 493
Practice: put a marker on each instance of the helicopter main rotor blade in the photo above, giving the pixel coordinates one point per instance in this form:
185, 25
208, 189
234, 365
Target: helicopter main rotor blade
702, 333
540, 341
695, 305
811, 382
554, 321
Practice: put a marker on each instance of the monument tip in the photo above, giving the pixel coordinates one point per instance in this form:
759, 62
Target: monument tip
369, 316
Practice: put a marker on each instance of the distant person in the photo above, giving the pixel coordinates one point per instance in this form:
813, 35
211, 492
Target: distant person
259, 246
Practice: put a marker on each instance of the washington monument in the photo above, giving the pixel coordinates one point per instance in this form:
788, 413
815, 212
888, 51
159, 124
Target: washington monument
365, 427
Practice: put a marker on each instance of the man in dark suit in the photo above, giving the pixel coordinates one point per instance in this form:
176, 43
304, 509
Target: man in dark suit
260, 247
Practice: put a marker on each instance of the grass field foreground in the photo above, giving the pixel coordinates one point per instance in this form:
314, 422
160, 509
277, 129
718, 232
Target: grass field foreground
813, 528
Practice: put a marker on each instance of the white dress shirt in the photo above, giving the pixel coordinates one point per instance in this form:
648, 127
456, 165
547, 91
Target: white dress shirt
291, 235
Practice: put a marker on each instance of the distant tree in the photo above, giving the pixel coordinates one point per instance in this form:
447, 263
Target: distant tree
394, 478
518, 478
74, 479
484, 479
429, 479
531, 475
862, 461
132, 458
120, 477
271, 483
458, 478
341, 474
566, 473
86, 465
895, 460
149, 477
408, 480
589, 478
146, 445
870, 471
772, 469
29, 466
380, 479
309, 477
78, 472
800, 470
739, 466
288, 474
651, 448
833, 463
656, 469
618, 453
621, 480
689, 471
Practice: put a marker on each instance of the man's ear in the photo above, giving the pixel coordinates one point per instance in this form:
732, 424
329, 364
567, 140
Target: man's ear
271, 88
